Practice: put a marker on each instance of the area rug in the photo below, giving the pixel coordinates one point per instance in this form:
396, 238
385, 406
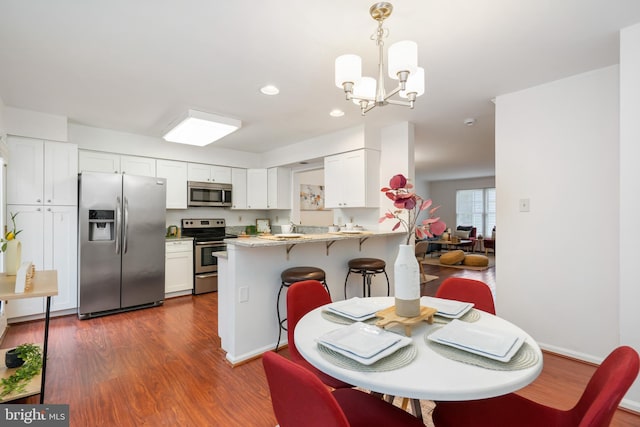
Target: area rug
428, 260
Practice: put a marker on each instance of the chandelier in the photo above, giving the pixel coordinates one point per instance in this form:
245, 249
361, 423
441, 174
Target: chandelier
368, 92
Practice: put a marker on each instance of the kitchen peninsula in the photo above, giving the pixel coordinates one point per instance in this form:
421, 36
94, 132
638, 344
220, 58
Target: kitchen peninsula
249, 279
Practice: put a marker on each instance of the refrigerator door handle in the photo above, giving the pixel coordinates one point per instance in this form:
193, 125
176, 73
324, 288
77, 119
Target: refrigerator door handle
126, 225
118, 224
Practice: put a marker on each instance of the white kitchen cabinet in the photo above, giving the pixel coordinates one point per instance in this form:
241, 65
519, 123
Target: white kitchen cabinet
96, 161
178, 274
29, 219
136, 165
61, 253
279, 188
352, 179
176, 176
49, 241
209, 173
257, 189
42, 172
239, 193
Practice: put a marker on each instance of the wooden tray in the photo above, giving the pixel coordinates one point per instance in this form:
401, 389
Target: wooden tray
389, 317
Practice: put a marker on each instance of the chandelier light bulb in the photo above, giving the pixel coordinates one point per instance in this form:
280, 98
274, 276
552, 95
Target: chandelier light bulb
348, 70
403, 56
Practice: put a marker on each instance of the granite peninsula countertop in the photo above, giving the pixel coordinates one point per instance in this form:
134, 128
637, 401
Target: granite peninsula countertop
276, 240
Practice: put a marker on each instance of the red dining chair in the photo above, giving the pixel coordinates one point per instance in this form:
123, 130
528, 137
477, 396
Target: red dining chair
299, 398
596, 407
302, 297
468, 290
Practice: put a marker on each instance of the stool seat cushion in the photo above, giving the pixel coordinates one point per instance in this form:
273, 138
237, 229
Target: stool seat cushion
300, 274
476, 260
452, 257
367, 264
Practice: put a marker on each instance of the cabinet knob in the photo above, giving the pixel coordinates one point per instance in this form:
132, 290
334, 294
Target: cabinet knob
38, 201
49, 209
49, 201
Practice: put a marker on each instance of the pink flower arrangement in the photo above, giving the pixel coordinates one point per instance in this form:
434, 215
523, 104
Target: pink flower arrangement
399, 191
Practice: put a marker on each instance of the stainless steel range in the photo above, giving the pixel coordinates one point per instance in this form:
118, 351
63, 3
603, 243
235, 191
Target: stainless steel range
208, 238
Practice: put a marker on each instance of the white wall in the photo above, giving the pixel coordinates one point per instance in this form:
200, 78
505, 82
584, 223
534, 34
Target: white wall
558, 265
629, 191
443, 193
91, 138
317, 148
34, 124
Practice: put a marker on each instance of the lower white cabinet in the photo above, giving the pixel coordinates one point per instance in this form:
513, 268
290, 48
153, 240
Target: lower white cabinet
178, 274
49, 240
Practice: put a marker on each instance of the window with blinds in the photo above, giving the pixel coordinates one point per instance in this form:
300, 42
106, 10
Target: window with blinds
477, 207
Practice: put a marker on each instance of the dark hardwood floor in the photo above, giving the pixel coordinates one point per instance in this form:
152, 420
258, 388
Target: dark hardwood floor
164, 367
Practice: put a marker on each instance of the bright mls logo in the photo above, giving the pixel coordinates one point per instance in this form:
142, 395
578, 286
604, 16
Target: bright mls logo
36, 415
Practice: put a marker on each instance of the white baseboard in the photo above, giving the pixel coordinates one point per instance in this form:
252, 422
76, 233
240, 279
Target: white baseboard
632, 405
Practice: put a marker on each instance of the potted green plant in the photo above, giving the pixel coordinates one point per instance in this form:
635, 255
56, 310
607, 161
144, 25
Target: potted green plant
31, 355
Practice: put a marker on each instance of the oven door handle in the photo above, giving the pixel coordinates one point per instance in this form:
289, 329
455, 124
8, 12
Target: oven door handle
205, 276
214, 243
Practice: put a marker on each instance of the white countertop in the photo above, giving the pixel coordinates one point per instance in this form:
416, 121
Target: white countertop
266, 241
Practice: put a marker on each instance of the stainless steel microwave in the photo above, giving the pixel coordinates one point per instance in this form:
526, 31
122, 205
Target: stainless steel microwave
208, 194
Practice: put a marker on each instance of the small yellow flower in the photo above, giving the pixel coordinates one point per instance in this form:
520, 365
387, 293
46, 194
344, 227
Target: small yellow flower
10, 235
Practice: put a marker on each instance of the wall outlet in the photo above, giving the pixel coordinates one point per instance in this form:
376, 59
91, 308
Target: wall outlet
244, 294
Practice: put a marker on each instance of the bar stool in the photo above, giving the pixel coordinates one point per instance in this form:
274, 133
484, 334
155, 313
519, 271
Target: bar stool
367, 267
291, 276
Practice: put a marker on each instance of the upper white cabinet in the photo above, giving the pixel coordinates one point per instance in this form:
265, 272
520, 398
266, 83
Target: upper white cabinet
257, 189
176, 175
42, 172
279, 188
209, 173
96, 161
352, 179
140, 166
239, 193
268, 188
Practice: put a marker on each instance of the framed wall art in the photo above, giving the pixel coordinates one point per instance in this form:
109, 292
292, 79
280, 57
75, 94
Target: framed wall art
311, 197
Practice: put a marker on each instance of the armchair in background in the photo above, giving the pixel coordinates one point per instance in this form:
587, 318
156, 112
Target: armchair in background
466, 232
490, 243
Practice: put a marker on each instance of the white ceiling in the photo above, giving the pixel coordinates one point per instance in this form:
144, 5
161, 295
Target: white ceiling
136, 65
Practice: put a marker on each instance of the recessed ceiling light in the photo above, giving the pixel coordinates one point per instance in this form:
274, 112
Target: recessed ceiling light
336, 113
270, 90
198, 128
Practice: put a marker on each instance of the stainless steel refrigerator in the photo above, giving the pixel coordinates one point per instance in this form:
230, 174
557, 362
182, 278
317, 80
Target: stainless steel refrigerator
121, 242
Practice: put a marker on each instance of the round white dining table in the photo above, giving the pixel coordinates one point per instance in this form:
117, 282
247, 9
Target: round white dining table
429, 375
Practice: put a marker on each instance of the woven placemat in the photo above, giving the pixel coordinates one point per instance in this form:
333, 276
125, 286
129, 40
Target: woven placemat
396, 360
336, 318
525, 357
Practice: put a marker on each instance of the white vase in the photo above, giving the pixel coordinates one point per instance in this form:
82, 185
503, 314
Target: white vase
12, 257
407, 282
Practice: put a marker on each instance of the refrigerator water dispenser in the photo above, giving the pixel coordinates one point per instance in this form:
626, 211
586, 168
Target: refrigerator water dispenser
100, 225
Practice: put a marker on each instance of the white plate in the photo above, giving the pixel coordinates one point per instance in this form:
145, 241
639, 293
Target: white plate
363, 343
289, 235
446, 307
497, 345
356, 308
